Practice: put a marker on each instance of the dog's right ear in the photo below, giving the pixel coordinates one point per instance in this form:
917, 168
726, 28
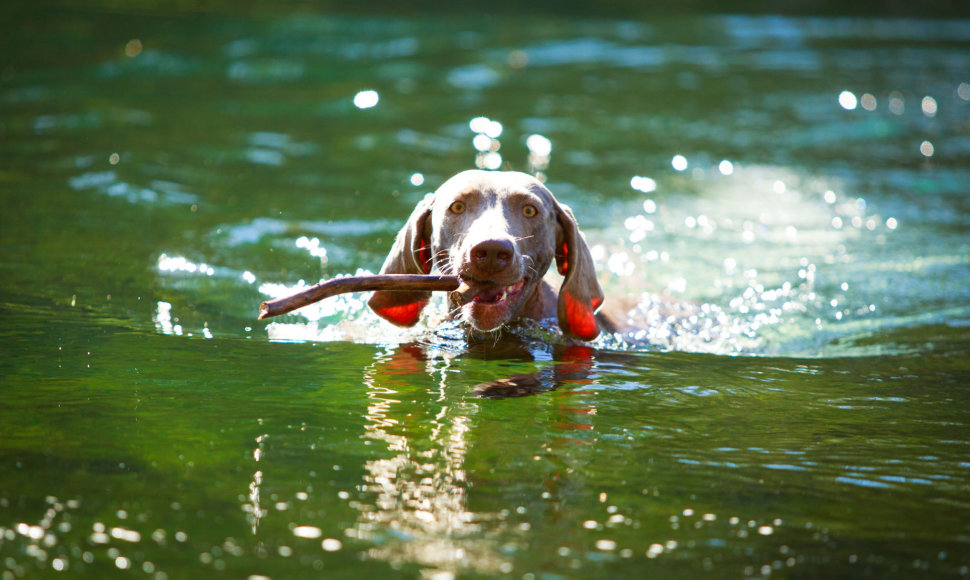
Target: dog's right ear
580, 295
410, 254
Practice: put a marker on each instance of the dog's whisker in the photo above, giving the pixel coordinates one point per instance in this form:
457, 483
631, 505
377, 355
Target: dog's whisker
530, 265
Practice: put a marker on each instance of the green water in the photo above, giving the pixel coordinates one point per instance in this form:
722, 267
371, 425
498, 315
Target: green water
163, 174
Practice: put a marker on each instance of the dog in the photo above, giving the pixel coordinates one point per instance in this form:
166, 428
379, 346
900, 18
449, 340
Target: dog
499, 232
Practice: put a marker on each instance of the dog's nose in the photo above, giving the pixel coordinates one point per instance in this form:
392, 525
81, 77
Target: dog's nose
492, 256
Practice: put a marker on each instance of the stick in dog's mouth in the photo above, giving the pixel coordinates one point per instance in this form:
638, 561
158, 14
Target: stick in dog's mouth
393, 282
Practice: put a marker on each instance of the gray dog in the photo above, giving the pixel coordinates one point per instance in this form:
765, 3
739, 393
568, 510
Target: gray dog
499, 232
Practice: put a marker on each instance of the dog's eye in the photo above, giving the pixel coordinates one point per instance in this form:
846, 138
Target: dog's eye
457, 207
529, 211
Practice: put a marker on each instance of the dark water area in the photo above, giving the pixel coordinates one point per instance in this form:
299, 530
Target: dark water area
798, 182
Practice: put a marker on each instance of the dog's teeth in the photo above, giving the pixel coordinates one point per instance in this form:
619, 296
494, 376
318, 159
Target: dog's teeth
504, 294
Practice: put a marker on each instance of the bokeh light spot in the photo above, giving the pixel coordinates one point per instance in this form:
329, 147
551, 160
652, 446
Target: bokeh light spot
133, 48
644, 184
366, 99
848, 100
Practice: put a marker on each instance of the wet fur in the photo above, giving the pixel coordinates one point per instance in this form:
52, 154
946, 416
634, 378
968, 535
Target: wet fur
436, 237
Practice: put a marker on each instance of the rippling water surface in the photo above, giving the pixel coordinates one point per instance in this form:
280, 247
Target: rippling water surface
797, 187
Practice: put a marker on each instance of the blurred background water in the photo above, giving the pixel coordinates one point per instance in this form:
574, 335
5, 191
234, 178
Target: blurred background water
799, 182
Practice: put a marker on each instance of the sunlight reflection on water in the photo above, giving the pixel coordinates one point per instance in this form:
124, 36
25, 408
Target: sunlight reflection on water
719, 255
763, 264
755, 186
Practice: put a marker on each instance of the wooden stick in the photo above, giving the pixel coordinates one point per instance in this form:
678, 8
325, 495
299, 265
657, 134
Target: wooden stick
395, 282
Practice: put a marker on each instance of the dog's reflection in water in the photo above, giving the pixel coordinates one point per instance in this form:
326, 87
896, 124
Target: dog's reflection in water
570, 365
413, 505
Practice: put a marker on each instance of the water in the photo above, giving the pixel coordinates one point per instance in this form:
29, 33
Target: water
798, 185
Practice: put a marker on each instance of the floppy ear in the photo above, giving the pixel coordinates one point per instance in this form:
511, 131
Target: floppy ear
410, 254
580, 295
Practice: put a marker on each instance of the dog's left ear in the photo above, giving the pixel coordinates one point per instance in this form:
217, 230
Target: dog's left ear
410, 254
580, 295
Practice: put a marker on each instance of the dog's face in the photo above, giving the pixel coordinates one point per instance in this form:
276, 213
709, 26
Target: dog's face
499, 232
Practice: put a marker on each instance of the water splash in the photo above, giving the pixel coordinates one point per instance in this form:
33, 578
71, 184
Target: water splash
767, 261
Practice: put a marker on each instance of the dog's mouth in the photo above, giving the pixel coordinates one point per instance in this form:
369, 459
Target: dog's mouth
491, 305
496, 294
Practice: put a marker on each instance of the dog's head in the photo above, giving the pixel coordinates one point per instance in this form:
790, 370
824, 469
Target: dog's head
499, 232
